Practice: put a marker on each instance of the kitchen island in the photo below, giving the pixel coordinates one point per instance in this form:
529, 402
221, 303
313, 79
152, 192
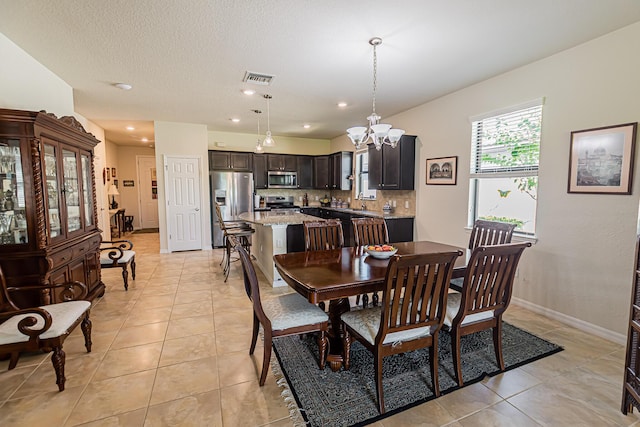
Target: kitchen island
270, 238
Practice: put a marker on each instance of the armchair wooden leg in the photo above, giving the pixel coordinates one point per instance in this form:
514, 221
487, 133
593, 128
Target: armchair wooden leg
497, 344
254, 337
455, 350
14, 360
433, 355
346, 348
86, 331
322, 349
57, 359
378, 375
133, 268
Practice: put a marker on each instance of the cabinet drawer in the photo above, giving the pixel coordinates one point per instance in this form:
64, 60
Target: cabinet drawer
81, 249
61, 258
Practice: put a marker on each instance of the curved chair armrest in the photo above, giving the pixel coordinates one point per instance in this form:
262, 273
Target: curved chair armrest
67, 294
25, 325
125, 245
115, 252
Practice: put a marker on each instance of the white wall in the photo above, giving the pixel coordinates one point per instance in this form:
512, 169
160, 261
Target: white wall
174, 139
581, 266
128, 169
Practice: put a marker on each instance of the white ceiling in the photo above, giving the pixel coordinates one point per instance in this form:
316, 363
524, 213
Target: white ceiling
186, 58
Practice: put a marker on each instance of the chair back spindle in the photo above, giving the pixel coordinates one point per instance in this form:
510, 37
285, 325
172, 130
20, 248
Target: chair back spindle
488, 233
370, 231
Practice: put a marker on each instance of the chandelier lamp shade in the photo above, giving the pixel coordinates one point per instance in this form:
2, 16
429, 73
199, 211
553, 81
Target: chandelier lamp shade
376, 133
268, 140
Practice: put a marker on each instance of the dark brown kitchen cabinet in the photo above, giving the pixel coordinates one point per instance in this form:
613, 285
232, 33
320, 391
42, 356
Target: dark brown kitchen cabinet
229, 160
282, 162
260, 171
48, 216
321, 172
393, 168
340, 170
305, 172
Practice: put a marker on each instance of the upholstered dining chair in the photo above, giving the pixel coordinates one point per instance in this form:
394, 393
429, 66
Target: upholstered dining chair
284, 315
323, 235
369, 231
411, 314
486, 293
119, 254
239, 229
46, 327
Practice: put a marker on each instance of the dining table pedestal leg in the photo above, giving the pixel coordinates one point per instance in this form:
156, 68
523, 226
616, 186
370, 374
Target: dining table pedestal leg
335, 357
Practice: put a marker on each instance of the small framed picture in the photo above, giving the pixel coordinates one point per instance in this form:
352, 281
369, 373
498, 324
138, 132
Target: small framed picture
442, 171
601, 159
108, 174
113, 172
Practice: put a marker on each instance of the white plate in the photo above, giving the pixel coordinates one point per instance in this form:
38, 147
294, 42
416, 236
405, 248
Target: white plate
381, 254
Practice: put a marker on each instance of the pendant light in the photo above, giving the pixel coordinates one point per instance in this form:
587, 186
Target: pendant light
268, 140
258, 148
377, 133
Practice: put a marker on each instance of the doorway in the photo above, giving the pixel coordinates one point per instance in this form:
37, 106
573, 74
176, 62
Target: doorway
184, 214
147, 192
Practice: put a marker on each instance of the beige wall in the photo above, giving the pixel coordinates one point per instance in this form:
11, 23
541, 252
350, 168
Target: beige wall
127, 169
580, 269
175, 139
247, 142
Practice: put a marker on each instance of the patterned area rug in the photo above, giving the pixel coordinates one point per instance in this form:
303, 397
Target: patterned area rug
348, 398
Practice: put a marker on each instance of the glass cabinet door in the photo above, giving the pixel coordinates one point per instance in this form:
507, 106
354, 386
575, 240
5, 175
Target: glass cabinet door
71, 190
52, 196
13, 219
85, 162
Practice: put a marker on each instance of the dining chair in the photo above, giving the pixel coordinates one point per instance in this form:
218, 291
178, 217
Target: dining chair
486, 233
119, 254
238, 229
411, 314
486, 293
323, 235
43, 328
369, 231
283, 315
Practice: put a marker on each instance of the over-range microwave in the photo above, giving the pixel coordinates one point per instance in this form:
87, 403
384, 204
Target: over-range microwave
282, 179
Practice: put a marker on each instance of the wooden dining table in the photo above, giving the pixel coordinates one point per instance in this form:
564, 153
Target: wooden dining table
336, 275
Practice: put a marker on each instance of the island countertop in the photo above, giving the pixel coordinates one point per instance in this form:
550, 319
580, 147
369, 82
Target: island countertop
271, 218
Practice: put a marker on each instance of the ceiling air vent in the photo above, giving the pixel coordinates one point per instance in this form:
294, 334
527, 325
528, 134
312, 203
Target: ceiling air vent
257, 78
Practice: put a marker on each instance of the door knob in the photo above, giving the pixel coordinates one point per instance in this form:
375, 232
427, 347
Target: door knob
197, 209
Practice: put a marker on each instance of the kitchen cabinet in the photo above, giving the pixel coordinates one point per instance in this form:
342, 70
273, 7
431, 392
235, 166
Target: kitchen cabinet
48, 216
393, 168
260, 171
230, 160
282, 162
305, 172
321, 172
340, 170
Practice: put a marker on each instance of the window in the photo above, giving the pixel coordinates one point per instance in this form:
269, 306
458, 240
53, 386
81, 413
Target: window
362, 176
505, 152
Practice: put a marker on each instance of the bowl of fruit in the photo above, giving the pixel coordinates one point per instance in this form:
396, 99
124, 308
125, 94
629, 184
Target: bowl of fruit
380, 251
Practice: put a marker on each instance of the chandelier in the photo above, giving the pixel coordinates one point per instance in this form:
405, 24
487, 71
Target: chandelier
268, 140
377, 133
258, 148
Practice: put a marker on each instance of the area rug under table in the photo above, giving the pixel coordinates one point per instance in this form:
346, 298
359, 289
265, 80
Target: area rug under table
348, 398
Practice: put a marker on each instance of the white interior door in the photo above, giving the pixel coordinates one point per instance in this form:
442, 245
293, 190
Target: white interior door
184, 213
147, 192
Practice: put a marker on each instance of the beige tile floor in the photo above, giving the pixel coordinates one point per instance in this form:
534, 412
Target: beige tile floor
173, 351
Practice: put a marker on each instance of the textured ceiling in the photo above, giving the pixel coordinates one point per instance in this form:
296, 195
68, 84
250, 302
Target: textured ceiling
186, 58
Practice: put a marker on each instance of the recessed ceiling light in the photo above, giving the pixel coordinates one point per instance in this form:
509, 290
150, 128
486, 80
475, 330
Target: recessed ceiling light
235, 120
306, 126
123, 86
130, 128
342, 104
249, 92
145, 140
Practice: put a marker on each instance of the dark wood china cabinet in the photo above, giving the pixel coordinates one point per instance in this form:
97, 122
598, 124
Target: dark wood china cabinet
48, 216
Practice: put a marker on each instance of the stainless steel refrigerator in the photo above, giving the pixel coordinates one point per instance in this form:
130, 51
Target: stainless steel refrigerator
234, 192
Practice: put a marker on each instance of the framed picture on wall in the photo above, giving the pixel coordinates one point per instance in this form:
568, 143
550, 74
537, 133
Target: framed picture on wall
113, 172
601, 159
442, 170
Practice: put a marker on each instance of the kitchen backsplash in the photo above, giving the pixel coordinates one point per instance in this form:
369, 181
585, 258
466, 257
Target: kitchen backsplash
405, 201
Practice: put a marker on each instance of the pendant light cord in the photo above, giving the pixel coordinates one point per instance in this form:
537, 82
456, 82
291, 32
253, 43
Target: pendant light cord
375, 76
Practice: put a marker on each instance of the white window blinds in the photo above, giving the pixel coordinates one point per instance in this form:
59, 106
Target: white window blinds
507, 144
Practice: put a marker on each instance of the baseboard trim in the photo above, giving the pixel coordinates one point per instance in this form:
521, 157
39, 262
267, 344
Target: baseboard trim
572, 321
